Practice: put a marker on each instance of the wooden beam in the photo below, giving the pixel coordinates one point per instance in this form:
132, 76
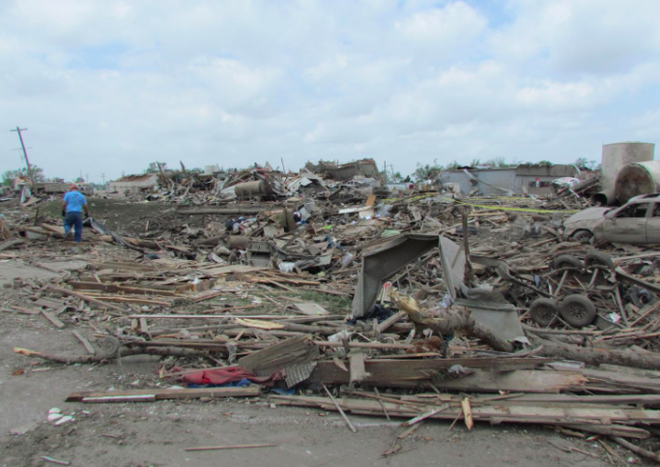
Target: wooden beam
162, 394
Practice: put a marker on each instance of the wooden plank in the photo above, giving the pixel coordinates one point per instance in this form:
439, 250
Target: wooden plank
289, 352
357, 373
86, 298
27, 311
467, 411
88, 347
126, 398
140, 301
53, 319
238, 446
10, 243
162, 394
424, 416
113, 288
584, 418
410, 373
395, 318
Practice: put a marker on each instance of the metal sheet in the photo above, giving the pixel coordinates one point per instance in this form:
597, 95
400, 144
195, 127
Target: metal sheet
383, 262
453, 261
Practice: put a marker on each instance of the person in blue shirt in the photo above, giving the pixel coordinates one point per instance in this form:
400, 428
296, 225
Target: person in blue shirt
72, 211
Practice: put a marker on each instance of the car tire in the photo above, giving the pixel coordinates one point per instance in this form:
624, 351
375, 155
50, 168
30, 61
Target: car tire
566, 261
544, 311
582, 236
598, 258
577, 310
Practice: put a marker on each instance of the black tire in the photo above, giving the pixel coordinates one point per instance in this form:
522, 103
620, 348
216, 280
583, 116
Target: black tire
598, 258
566, 261
544, 311
577, 310
583, 236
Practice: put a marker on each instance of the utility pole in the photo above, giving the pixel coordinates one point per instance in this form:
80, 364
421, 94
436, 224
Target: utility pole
103, 177
27, 161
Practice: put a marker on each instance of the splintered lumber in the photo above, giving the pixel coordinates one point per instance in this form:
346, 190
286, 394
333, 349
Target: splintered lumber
290, 352
112, 288
238, 446
123, 352
141, 301
467, 411
636, 449
596, 418
411, 373
162, 394
338, 407
424, 416
86, 298
596, 355
451, 322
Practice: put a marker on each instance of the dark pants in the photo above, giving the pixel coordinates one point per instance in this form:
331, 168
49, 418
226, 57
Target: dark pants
74, 219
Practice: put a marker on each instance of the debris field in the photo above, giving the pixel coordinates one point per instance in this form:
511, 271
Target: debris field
324, 290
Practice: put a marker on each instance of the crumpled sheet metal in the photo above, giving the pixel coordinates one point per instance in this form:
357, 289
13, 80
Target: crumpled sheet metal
383, 262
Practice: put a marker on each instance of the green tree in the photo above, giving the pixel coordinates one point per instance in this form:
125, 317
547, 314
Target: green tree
583, 164
427, 172
9, 176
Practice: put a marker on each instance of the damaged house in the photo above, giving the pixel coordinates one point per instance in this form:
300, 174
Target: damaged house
532, 179
133, 183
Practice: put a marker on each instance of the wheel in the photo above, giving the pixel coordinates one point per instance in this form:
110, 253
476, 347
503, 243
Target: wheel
598, 258
109, 346
544, 311
566, 261
577, 310
583, 236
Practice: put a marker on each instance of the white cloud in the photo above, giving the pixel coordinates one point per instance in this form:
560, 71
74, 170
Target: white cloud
448, 26
108, 86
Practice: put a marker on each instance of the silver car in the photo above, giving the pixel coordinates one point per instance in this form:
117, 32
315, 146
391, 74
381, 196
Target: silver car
637, 221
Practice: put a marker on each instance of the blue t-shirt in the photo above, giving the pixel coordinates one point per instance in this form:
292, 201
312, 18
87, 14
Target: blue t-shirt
75, 201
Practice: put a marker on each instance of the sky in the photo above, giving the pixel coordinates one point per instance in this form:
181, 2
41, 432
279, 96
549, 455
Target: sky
105, 87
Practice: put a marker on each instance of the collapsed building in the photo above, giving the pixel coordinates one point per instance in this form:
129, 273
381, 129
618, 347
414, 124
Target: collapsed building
533, 179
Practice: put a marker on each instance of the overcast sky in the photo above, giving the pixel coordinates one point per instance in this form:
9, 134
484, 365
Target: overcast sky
107, 86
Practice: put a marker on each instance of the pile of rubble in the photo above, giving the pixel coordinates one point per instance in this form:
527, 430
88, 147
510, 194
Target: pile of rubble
333, 293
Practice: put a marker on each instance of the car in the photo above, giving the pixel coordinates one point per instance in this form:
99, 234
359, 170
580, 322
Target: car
637, 222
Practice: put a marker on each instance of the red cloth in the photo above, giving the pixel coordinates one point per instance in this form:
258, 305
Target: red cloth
231, 374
